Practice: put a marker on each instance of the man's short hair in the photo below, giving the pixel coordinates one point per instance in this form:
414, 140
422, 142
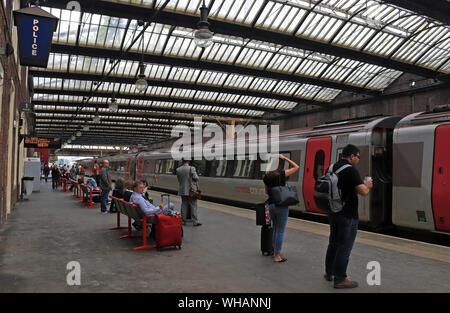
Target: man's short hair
349, 150
137, 183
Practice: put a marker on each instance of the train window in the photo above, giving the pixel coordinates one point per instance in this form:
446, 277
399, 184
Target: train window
200, 167
159, 164
169, 166
221, 169
319, 164
146, 166
123, 166
243, 168
339, 154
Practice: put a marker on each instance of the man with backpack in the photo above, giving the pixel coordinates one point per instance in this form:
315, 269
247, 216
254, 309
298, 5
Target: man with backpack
344, 218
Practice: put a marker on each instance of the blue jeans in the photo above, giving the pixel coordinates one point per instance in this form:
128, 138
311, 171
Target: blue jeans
104, 200
342, 237
279, 216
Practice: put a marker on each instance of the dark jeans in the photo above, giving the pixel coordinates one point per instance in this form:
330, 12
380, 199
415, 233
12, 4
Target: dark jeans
104, 200
342, 237
55, 182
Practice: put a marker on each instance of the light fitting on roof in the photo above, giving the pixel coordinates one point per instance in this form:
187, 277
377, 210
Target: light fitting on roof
73, 138
203, 37
69, 141
96, 118
113, 106
86, 128
78, 134
141, 83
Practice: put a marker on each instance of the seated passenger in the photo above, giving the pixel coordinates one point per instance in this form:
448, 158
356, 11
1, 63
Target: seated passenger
81, 178
118, 193
128, 190
91, 182
146, 207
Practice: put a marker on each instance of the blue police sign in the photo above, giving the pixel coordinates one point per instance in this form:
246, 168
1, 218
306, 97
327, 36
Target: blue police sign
35, 31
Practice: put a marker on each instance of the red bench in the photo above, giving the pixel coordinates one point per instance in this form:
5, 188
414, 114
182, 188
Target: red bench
132, 211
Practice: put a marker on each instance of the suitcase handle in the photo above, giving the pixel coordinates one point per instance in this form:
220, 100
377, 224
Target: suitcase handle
165, 195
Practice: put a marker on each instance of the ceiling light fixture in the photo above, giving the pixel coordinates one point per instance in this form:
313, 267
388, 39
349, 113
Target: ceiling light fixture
141, 83
96, 118
113, 106
203, 37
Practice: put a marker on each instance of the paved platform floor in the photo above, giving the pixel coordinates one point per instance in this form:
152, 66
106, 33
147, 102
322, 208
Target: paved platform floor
51, 229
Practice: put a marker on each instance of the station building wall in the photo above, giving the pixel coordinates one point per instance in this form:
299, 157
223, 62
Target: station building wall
13, 91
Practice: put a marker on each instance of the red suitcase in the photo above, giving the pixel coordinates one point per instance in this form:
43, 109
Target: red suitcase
168, 230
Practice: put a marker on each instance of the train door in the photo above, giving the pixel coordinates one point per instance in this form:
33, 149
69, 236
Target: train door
441, 179
140, 165
132, 170
318, 153
127, 173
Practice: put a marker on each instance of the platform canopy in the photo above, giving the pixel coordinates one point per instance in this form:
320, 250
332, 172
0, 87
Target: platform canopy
268, 58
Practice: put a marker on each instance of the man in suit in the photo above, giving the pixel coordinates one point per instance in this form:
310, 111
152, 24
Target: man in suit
187, 180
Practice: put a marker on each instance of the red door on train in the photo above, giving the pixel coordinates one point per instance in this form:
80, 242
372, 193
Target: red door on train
127, 173
140, 164
318, 153
441, 179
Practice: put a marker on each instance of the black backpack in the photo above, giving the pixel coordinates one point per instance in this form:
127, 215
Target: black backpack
328, 195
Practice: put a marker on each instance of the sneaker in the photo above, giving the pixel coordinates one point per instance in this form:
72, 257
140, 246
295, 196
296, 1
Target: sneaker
346, 284
105, 212
198, 224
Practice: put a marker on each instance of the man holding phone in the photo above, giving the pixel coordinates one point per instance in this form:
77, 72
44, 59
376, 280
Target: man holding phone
344, 224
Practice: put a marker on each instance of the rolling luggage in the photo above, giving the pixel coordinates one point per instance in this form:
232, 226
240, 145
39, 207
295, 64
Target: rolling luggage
266, 240
168, 229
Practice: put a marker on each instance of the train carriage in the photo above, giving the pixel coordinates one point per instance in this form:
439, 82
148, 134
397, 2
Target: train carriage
408, 159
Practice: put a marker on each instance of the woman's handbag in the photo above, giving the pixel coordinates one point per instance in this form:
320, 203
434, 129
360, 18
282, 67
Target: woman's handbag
193, 193
284, 195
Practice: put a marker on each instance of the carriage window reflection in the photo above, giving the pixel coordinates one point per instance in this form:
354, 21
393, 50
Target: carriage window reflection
319, 164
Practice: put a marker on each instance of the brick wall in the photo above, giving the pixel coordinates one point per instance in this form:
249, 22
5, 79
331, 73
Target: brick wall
14, 90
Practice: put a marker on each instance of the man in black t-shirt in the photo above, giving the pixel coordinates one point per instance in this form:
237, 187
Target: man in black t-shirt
344, 224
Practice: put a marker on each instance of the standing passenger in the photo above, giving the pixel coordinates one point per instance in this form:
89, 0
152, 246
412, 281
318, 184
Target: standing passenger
105, 186
278, 214
46, 171
187, 180
344, 224
55, 176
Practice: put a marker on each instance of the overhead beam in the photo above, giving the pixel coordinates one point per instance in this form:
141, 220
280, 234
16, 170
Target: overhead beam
154, 98
238, 30
170, 84
205, 65
144, 109
149, 114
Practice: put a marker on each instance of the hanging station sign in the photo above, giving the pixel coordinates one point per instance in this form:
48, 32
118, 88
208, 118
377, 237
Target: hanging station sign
42, 143
35, 31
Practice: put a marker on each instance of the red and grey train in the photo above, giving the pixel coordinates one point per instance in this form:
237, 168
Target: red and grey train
408, 159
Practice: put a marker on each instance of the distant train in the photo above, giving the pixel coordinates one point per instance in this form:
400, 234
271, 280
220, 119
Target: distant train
408, 159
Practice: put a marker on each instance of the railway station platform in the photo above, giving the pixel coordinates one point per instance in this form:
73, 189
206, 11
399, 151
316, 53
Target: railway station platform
223, 255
